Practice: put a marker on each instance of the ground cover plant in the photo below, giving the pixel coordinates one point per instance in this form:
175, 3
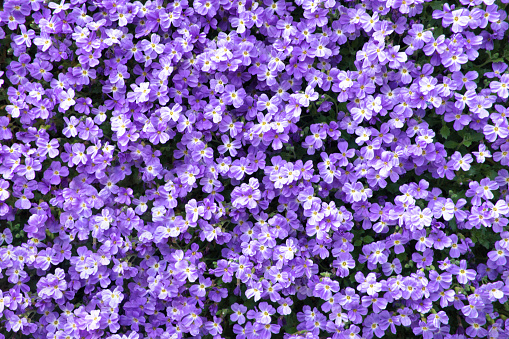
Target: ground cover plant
254, 169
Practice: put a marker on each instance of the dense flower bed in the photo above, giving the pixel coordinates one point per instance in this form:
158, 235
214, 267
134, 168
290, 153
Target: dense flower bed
254, 169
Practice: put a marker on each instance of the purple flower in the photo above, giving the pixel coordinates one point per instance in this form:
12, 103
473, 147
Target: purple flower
226, 109
463, 274
325, 288
475, 328
54, 172
66, 99
52, 285
29, 168
193, 210
206, 7
234, 97
424, 329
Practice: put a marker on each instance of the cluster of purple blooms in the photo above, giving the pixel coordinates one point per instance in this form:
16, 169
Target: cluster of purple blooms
148, 151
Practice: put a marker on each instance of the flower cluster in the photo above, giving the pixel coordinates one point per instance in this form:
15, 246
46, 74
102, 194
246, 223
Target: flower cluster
254, 169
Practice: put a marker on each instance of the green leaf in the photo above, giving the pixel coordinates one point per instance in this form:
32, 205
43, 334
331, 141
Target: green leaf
477, 136
453, 225
445, 131
437, 5
451, 144
368, 239
222, 313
